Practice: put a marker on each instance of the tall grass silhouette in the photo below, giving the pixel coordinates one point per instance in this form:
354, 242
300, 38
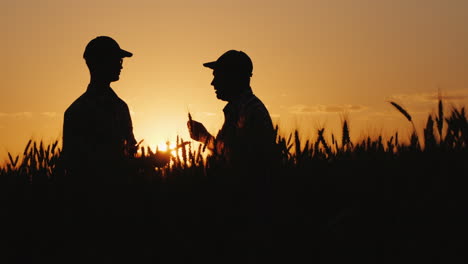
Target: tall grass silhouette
39, 162
329, 197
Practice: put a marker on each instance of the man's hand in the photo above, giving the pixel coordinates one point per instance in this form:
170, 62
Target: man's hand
198, 131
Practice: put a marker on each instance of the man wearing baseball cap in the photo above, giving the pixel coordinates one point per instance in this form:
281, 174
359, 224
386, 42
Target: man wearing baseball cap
246, 142
247, 130
97, 129
98, 142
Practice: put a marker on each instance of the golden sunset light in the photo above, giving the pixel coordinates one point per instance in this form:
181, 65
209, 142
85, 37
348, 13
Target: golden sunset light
222, 131
313, 62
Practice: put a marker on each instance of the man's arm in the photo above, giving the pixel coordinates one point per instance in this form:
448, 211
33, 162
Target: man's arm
73, 142
130, 141
259, 131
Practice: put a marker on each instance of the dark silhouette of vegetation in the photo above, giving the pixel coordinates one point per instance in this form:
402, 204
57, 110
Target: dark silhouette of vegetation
374, 200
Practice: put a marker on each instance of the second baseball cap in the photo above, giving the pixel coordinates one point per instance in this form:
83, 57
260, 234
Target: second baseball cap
232, 61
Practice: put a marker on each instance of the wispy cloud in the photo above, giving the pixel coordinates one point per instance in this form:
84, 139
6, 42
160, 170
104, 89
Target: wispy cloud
302, 109
49, 114
28, 114
318, 109
344, 108
17, 115
424, 97
208, 113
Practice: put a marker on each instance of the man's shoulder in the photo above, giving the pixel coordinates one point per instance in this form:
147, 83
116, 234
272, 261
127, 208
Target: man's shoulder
257, 112
116, 100
253, 103
122, 102
81, 104
121, 105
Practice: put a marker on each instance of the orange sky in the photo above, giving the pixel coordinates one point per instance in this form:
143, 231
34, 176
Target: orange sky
313, 60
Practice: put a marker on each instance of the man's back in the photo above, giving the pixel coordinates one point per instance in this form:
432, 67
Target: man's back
97, 129
247, 134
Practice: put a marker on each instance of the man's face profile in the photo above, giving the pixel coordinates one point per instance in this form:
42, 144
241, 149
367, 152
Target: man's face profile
224, 85
107, 68
114, 68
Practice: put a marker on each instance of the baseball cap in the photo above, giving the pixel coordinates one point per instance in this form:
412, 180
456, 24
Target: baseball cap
104, 47
232, 61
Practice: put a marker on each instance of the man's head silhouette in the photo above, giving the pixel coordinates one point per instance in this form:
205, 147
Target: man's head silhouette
232, 72
104, 58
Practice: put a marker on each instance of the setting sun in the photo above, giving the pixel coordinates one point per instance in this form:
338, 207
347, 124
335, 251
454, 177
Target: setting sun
167, 146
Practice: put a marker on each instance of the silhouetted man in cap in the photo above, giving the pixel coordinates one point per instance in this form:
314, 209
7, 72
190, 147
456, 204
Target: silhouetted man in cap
246, 142
98, 144
247, 132
97, 129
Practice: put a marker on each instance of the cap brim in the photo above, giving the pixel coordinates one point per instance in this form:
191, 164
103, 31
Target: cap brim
211, 65
124, 53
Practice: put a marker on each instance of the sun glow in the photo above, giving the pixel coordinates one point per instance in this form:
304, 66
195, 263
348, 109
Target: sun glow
160, 147
171, 146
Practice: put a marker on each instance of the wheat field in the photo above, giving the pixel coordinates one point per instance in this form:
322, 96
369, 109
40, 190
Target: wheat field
328, 200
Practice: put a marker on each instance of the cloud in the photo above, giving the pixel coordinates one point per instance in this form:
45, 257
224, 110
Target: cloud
424, 97
28, 114
318, 109
208, 113
17, 115
24, 114
344, 108
49, 114
302, 109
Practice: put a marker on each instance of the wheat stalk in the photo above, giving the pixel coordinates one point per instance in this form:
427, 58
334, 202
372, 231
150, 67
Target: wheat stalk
402, 110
